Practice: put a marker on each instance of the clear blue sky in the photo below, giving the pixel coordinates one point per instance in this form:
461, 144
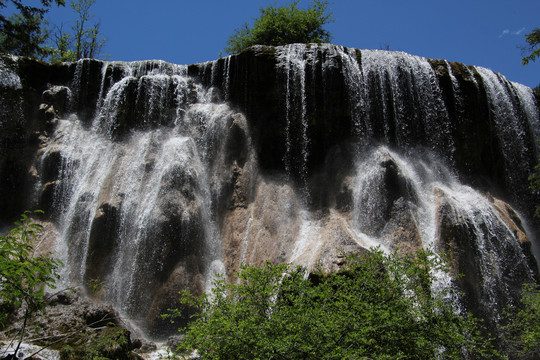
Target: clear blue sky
475, 32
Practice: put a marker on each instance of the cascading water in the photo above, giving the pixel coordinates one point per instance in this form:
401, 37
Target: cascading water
10, 104
158, 176
515, 119
411, 103
293, 62
147, 200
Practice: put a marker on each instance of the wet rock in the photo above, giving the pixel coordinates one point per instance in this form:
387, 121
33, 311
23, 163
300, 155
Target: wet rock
102, 245
97, 316
63, 298
48, 197
488, 253
401, 231
57, 98
146, 346
386, 194
74, 325
174, 341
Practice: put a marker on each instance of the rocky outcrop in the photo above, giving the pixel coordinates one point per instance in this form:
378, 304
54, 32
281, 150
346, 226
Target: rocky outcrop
72, 327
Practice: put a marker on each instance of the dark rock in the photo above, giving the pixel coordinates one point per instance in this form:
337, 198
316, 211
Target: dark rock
344, 199
47, 198
174, 341
51, 166
484, 252
63, 298
102, 244
97, 316
380, 193
58, 97
146, 346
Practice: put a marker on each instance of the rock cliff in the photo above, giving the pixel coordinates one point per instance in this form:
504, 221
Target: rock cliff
155, 177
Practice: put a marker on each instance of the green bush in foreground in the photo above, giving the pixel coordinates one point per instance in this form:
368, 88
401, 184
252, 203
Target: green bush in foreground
522, 331
23, 275
377, 307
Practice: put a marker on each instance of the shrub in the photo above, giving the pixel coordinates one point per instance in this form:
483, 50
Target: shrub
23, 275
283, 25
377, 306
522, 331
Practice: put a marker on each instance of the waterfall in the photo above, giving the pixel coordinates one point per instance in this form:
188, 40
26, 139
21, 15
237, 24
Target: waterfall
158, 177
293, 61
149, 199
10, 105
411, 104
514, 116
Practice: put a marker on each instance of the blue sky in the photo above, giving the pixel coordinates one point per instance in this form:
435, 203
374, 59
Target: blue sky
476, 32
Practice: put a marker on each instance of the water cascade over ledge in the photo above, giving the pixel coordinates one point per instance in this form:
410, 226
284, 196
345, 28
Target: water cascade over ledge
157, 177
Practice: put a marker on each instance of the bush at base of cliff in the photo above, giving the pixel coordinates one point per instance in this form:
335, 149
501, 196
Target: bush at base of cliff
378, 307
522, 331
23, 275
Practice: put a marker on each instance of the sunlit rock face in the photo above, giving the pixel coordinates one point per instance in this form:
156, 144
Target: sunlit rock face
156, 177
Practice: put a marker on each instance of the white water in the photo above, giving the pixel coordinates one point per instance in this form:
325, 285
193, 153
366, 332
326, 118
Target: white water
293, 62
11, 107
138, 177
26, 350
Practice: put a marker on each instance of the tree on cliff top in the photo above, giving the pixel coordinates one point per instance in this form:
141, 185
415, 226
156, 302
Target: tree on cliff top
533, 47
84, 40
378, 307
283, 25
23, 33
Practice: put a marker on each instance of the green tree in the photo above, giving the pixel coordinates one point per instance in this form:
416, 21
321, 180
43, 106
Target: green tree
522, 332
534, 183
283, 25
23, 33
376, 307
23, 275
533, 46
83, 41
27, 38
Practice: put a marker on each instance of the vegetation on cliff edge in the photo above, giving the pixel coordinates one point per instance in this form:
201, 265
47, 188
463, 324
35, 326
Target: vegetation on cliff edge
283, 25
27, 33
532, 49
24, 32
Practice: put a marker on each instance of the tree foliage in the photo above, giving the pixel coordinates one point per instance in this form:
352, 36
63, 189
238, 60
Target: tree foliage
24, 33
83, 41
533, 46
23, 275
522, 331
27, 37
377, 307
283, 25
534, 182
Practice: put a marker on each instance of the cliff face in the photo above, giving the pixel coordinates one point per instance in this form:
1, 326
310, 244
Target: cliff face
156, 176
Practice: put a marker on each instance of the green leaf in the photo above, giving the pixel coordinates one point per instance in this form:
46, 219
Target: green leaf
377, 306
